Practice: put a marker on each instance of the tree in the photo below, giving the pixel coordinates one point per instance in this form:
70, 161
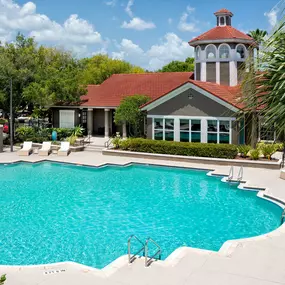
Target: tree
179, 66
258, 36
100, 67
41, 76
268, 86
129, 112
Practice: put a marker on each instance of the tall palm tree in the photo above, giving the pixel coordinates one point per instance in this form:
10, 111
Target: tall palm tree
258, 36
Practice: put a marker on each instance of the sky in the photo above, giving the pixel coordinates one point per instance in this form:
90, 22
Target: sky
148, 33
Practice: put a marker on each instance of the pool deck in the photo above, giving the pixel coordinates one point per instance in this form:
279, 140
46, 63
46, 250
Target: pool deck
252, 261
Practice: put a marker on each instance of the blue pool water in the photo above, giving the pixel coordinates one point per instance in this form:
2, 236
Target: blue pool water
52, 212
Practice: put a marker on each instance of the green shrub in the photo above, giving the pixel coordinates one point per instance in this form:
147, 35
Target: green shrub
116, 141
72, 139
23, 133
180, 148
268, 150
3, 121
243, 150
2, 279
254, 154
62, 133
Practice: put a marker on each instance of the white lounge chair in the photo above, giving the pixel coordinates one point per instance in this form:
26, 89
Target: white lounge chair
46, 149
27, 149
64, 149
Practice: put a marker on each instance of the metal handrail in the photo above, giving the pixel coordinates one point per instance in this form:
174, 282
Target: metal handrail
240, 174
108, 143
231, 174
148, 261
282, 217
132, 258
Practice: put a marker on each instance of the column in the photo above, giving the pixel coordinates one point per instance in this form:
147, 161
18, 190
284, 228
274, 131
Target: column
1, 138
124, 130
90, 121
218, 72
233, 73
107, 123
203, 71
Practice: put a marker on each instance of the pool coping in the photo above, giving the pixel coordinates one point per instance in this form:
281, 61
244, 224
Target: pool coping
226, 250
195, 159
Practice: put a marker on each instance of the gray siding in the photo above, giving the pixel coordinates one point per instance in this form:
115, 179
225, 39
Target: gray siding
198, 71
55, 118
200, 105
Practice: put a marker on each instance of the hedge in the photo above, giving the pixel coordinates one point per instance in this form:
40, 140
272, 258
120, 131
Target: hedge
180, 148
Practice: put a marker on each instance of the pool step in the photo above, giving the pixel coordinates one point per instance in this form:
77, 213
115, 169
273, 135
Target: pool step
94, 148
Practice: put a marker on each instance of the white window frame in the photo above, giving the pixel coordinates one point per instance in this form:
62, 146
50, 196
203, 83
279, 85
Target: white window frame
213, 58
245, 53
190, 129
218, 132
204, 125
163, 127
198, 51
61, 114
229, 48
259, 132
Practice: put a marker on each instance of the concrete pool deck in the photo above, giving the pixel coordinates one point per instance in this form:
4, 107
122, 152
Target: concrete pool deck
251, 261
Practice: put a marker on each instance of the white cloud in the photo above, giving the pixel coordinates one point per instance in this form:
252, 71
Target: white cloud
75, 33
111, 3
186, 26
170, 48
272, 17
138, 24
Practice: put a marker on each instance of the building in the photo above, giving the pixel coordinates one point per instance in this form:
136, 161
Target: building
184, 106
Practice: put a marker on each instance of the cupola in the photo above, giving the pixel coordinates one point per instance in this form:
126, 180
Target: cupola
224, 17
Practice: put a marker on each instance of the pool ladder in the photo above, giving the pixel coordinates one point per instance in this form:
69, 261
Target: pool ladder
231, 175
144, 249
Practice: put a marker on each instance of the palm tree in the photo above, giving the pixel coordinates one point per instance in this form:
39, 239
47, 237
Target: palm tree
258, 36
264, 87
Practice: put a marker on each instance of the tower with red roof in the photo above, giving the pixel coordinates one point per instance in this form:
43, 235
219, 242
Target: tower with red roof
220, 53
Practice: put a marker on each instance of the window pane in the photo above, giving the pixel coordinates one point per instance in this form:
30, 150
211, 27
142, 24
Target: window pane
158, 123
224, 52
195, 137
224, 126
240, 52
212, 126
184, 125
212, 138
224, 138
158, 135
196, 125
211, 52
169, 124
184, 136
169, 136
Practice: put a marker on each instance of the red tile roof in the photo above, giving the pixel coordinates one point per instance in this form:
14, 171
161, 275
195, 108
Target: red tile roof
223, 11
113, 90
221, 33
155, 85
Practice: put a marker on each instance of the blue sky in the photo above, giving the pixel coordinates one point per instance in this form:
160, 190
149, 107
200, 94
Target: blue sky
149, 33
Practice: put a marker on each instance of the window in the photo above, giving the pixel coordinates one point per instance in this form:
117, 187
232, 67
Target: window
222, 21
164, 129
224, 51
211, 52
218, 131
197, 53
66, 119
240, 52
190, 130
266, 133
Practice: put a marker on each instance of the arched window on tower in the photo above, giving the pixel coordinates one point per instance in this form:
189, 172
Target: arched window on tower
222, 21
224, 51
240, 51
211, 52
198, 53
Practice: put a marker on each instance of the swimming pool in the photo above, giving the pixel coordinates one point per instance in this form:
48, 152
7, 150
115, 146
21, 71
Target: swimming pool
53, 212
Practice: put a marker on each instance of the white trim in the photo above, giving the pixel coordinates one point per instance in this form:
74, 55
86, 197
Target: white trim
236, 40
216, 51
186, 87
220, 46
204, 126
